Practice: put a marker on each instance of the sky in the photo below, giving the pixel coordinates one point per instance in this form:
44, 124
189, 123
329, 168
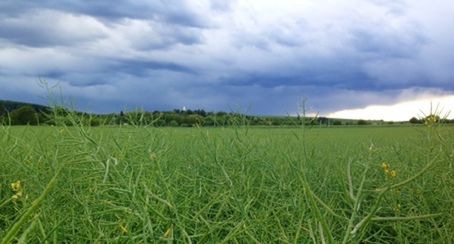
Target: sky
369, 59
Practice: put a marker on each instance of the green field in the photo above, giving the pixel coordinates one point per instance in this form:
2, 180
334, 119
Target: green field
236, 185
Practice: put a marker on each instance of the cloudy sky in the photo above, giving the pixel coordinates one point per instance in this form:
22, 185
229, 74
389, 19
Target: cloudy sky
346, 57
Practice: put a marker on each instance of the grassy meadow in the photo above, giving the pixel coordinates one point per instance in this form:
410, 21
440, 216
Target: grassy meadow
237, 184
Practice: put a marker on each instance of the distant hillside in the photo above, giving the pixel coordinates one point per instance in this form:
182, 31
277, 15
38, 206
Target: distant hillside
6, 105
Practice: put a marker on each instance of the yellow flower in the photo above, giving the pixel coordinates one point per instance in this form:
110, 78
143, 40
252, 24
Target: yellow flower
387, 169
16, 186
17, 196
393, 173
431, 120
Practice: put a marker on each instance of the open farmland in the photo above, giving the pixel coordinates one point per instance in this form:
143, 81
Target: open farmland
236, 184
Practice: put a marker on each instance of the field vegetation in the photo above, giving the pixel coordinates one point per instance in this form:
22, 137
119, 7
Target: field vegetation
236, 184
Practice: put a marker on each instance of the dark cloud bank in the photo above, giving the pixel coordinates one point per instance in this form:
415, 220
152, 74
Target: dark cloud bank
167, 54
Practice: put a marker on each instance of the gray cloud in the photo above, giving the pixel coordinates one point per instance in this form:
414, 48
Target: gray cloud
49, 28
173, 11
219, 55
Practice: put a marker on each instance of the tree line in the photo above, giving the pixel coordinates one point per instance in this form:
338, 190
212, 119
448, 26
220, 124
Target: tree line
40, 115
30, 115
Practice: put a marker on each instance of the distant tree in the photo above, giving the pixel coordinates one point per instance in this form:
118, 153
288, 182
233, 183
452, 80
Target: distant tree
95, 121
160, 122
43, 117
414, 120
311, 121
275, 122
121, 118
322, 120
173, 123
362, 122
337, 122
445, 121
2, 112
2, 109
24, 115
193, 119
201, 112
210, 121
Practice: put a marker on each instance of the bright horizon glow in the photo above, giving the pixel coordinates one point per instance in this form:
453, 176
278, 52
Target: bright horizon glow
402, 111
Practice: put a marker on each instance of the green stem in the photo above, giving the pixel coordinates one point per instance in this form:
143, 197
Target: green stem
425, 216
35, 205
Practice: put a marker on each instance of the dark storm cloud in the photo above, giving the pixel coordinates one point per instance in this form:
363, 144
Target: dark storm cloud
173, 11
216, 54
142, 67
388, 45
48, 28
